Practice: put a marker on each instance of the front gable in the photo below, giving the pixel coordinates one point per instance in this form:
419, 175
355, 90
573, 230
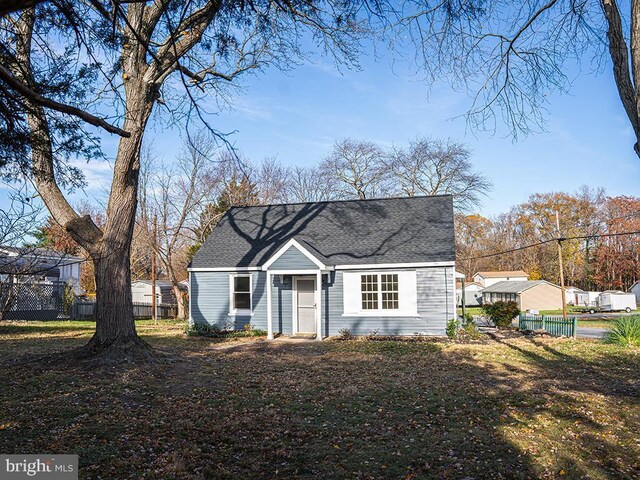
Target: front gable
293, 256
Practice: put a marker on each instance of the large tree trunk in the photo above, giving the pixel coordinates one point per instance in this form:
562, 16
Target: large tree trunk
115, 339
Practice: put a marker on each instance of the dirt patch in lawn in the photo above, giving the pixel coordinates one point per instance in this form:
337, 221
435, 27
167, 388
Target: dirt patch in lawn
513, 408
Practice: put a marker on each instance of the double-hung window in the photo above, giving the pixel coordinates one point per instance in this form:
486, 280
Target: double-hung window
379, 291
240, 294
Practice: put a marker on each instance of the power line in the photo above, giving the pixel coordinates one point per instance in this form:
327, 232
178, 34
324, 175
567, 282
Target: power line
517, 249
544, 242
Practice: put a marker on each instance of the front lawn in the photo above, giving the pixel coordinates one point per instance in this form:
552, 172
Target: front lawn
471, 310
595, 323
517, 408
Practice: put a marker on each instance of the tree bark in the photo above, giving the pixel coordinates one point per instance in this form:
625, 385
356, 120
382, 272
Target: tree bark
619, 52
179, 294
115, 339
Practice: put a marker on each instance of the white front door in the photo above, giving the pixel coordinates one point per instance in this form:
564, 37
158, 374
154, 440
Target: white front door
306, 305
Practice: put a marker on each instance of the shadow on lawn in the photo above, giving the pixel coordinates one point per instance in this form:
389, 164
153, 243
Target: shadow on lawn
24, 328
329, 410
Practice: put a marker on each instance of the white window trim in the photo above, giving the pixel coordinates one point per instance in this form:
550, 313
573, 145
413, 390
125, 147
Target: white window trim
223, 269
379, 312
241, 312
375, 266
294, 299
382, 313
379, 292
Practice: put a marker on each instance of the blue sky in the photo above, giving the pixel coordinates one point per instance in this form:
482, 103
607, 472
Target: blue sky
296, 117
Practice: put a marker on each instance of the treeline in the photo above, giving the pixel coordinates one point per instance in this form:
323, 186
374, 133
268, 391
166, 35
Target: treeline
188, 196
595, 262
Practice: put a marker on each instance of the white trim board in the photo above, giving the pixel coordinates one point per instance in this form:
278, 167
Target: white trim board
295, 272
223, 269
293, 243
294, 299
325, 268
372, 266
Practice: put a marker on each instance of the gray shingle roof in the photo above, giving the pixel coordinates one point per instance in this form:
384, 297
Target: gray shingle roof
36, 252
514, 287
351, 232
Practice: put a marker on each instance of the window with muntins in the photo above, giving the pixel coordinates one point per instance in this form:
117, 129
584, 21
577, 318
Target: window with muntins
242, 292
369, 289
389, 289
379, 291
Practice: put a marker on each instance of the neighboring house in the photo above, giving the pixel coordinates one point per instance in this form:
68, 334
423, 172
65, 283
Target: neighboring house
635, 289
141, 291
573, 295
472, 294
486, 279
587, 299
40, 265
529, 295
384, 265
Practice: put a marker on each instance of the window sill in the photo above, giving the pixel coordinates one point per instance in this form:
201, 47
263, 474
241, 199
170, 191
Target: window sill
240, 313
380, 313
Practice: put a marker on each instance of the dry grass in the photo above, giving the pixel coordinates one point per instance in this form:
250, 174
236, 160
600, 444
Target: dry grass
512, 409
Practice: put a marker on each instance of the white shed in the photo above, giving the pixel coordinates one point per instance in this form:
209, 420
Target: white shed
141, 292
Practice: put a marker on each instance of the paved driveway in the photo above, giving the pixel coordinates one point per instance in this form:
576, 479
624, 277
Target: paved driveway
591, 332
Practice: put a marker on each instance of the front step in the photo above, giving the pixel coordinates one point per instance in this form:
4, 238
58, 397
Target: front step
305, 336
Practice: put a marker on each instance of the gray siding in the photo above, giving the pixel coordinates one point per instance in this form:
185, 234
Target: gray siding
435, 307
282, 304
435, 304
293, 259
210, 301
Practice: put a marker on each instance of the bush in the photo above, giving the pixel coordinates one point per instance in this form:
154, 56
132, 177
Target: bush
202, 330
452, 328
502, 313
469, 331
345, 334
625, 331
213, 331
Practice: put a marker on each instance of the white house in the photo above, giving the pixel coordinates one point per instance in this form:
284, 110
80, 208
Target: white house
472, 294
486, 279
587, 299
40, 265
573, 295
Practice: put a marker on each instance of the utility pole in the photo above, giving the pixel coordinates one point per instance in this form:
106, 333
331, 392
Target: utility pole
153, 271
560, 239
